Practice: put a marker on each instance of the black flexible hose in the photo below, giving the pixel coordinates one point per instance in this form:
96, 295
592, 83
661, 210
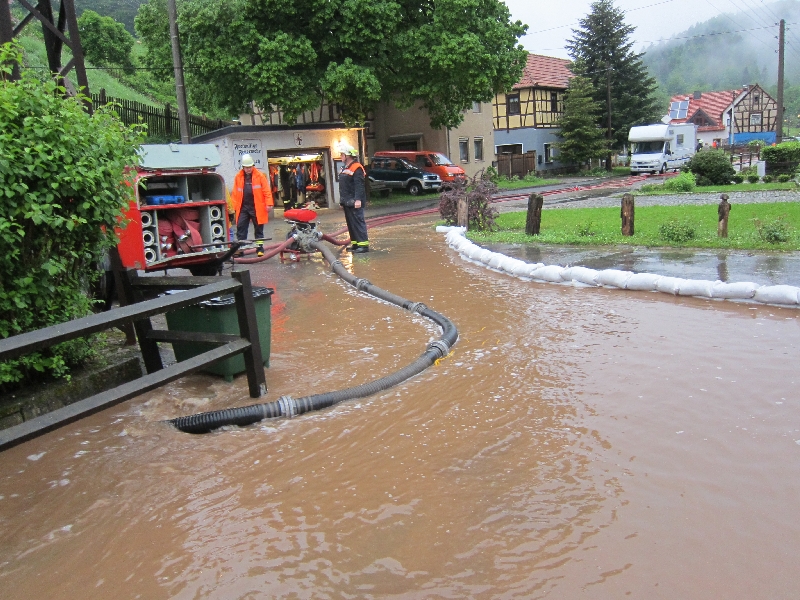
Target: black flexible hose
286, 406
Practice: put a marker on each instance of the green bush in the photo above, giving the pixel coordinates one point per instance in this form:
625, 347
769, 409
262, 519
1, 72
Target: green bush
63, 178
773, 231
685, 182
784, 178
677, 231
753, 178
769, 178
782, 158
738, 178
703, 181
713, 165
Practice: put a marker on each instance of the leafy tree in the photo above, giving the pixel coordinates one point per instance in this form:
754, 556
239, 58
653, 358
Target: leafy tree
602, 45
356, 53
583, 139
122, 11
104, 40
63, 182
152, 26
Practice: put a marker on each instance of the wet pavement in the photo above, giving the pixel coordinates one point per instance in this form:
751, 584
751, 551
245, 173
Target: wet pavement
577, 442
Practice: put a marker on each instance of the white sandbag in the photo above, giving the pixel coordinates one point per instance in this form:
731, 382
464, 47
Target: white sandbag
495, 260
744, 290
485, 255
509, 265
613, 278
669, 285
524, 269
581, 275
696, 287
473, 252
777, 294
642, 282
444, 228
551, 273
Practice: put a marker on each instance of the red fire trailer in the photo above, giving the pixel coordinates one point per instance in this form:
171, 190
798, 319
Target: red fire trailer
179, 218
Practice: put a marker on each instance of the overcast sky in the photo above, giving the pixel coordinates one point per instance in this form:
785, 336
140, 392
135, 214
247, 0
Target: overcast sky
550, 22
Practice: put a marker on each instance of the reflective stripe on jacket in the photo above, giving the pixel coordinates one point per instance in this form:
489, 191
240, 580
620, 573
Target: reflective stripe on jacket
262, 195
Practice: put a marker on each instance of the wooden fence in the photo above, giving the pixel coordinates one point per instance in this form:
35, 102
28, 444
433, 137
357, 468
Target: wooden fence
516, 164
161, 121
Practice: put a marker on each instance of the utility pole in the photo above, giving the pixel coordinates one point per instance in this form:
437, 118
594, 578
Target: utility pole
180, 88
781, 43
608, 106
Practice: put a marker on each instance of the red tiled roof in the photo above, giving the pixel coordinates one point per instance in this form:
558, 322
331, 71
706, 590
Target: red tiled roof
545, 71
713, 104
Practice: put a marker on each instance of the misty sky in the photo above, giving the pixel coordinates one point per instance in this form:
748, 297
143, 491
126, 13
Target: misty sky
654, 19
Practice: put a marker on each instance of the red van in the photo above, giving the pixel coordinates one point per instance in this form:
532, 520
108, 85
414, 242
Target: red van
427, 160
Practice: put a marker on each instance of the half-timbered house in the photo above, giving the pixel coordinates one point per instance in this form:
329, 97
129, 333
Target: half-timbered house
754, 115
526, 119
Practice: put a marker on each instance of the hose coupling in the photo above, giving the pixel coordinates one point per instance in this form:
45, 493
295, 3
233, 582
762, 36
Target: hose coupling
416, 307
335, 264
360, 284
440, 345
288, 406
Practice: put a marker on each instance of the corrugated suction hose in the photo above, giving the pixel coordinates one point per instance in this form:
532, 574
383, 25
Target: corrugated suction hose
286, 406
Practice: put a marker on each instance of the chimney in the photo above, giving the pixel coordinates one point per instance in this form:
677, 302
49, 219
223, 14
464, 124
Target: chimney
698, 95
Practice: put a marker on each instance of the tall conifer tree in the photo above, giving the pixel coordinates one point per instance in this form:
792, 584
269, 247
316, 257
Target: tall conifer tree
620, 78
583, 139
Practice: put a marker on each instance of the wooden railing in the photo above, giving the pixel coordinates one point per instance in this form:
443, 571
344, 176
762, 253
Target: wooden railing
247, 343
161, 121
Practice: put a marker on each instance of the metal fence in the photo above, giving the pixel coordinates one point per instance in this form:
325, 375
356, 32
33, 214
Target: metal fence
161, 121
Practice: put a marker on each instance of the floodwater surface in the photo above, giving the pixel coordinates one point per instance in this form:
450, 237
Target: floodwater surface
576, 442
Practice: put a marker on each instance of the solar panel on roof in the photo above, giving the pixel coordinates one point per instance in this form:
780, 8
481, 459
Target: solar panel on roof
678, 110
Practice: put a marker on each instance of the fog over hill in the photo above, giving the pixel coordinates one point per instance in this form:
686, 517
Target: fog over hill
729, 50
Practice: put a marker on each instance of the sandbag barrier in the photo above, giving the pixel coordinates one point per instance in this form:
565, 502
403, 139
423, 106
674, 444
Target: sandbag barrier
780, 295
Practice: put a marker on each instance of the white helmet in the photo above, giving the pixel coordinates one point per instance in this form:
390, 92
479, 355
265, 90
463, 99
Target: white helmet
247, 161
345, 148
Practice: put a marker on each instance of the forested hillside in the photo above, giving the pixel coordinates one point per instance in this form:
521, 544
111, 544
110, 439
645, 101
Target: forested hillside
123, 11
731, 50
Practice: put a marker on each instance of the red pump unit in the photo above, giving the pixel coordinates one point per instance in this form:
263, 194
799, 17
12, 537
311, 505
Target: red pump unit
179, 218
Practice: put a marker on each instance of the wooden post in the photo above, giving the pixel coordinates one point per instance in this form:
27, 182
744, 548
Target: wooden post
723, 210
533, 222
167, 119
626, 213
462, 213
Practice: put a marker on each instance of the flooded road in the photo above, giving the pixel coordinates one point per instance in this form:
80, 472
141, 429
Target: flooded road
577, 442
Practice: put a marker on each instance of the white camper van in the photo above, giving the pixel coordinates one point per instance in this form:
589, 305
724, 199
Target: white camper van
657, 148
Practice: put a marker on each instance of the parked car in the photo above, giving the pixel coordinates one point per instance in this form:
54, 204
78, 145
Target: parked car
397, 173
428, 161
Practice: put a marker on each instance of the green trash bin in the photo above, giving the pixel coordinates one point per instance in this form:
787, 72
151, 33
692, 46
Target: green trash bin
218, 315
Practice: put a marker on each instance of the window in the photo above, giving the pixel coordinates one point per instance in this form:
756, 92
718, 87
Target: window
412, 145
680, 140
423, 161
554, 102
548, 153
476, 107
477, 145
512, 102
509, 149
755, 119
463, 149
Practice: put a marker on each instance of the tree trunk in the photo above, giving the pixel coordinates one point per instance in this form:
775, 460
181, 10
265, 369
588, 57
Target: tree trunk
533, 221
626, 213
462, 213
723, 210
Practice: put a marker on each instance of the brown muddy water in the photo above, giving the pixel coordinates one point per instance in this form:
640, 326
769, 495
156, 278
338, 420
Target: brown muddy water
577, 443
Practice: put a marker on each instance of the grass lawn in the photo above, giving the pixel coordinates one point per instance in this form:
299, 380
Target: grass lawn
719, 189
401, 197
601, 227
525, 182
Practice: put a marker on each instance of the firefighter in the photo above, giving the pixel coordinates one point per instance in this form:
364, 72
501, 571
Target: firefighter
252, 201
353, 197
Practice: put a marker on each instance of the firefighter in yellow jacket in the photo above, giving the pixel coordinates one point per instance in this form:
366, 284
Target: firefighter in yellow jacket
252, 201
